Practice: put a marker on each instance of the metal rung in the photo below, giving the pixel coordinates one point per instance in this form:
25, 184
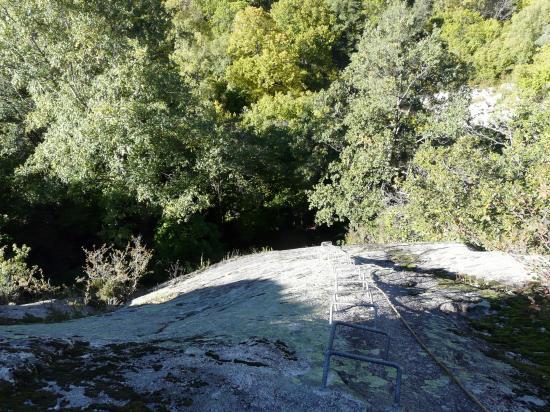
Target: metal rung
334, 305
360, 295
330, 352
346, 272
340, 280
347, 296
363, 282
350, 297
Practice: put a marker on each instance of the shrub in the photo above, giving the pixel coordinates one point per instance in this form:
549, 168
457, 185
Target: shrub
491, 195
534, 79
18, 280
188, 242
517, 42
112, 275
466, 31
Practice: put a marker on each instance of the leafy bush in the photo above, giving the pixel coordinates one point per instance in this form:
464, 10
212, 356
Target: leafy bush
466, 32
18, 280
187, 242
382, 102
112, 275
534, 79
491, 195
517, 42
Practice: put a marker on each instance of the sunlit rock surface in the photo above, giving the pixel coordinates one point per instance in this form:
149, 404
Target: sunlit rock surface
459, 259
249, 333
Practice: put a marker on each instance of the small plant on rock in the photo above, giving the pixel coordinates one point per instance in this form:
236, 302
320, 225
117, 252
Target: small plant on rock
112, 275
176, 269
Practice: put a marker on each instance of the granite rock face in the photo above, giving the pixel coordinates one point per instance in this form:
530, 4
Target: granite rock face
249, 334
44, 310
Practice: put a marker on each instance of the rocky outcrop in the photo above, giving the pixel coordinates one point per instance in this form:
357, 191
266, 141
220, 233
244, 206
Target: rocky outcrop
249, 333
45, 310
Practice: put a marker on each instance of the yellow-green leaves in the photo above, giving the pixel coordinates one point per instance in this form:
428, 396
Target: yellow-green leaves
264, 59
285, 50
466, 32
534, 78
494, 48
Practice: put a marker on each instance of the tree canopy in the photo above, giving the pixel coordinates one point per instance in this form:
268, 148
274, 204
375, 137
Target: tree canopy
206, 126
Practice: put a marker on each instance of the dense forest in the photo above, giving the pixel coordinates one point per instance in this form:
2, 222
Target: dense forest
204, 126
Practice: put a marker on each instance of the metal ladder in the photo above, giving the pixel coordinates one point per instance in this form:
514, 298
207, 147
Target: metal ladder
341, 277
338, 258
330, 352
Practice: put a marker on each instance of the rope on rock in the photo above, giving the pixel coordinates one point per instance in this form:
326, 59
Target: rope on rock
432, 355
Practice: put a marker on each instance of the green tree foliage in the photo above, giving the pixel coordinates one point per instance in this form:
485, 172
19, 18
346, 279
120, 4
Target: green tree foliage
214, 124
18, 280
179, 241
15, 143
519, 40
490, 9
493, 46
467, 32
351, 16
233, 52
380, 105
419, 169
257, 72
492, 195
100, 98
287, 49
200, 31
535, 78
486, 185
104, 119
285, 126
264, 60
